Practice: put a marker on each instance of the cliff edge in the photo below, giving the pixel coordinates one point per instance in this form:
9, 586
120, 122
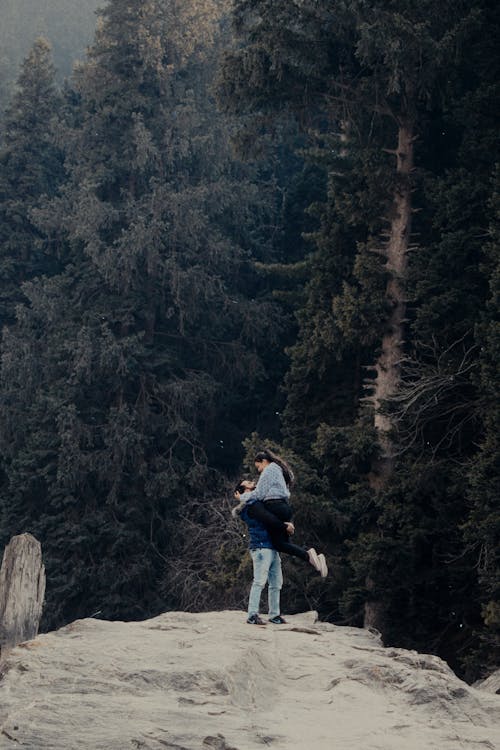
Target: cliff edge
195, 681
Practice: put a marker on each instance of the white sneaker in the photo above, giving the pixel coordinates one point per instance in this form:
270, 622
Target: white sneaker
323, 567
314, 559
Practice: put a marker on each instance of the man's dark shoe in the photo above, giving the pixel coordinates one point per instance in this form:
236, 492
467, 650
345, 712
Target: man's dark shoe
255, 620
278, 620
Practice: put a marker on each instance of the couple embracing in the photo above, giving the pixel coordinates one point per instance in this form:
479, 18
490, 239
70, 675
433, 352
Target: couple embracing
266, 510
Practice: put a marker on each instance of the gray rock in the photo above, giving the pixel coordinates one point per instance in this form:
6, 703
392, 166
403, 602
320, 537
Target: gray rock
490, 684
195, 682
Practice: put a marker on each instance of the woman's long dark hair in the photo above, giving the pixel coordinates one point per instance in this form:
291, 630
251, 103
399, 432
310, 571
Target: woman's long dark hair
267, 455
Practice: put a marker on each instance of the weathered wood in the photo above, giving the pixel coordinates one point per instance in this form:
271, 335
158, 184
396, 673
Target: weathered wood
22, 590
388, 364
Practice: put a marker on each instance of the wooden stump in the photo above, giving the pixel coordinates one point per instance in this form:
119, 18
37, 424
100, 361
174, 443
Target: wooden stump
22, 589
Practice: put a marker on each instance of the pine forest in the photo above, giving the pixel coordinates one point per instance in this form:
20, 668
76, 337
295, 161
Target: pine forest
235, 225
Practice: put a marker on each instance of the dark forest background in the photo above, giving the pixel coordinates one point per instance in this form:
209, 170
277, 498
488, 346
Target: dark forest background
229, 225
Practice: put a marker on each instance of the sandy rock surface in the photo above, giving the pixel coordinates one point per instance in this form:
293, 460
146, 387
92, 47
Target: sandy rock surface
491, 684
198, 681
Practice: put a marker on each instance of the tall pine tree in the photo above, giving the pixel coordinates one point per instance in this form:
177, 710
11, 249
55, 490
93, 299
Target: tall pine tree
31, 169
378, 86
120, 373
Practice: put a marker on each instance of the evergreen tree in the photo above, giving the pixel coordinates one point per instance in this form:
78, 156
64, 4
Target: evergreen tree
121, 371
67, 24
482, 530
440, 407
387, 92
31, 168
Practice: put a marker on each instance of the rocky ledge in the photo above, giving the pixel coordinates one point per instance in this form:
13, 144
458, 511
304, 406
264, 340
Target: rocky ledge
197, 681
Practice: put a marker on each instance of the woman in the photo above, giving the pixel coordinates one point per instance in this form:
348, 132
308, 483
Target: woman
268, 503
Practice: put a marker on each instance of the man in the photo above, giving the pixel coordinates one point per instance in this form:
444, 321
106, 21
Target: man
266, 566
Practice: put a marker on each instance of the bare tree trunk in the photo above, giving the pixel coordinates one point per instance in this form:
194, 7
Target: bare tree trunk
388, 364
22, 590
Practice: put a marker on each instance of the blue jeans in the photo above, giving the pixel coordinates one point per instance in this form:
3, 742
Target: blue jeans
266, 568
